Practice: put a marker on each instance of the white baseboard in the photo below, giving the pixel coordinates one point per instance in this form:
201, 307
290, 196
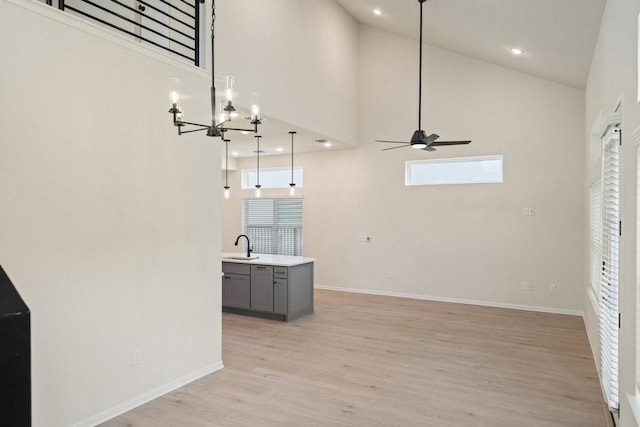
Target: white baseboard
148, 396
455, 300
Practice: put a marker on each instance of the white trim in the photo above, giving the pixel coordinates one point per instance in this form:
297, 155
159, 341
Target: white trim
83, 25
147, 396
634, 404
635, 137
604, 122
455, 300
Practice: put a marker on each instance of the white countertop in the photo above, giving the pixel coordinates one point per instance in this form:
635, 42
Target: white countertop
267, 259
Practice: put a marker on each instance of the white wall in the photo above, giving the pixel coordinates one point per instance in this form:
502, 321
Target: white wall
462, 242
613, 76
301, 56
108, 226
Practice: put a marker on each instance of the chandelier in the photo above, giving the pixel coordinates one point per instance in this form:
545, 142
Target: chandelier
219, 122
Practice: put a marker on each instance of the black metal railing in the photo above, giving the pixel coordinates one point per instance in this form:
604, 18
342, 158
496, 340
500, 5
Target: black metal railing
170, 25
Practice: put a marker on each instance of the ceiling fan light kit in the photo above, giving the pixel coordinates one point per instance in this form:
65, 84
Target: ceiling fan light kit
420, 140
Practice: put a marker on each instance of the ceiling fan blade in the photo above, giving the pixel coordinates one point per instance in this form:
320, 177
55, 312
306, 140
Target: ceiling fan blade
450, 143
393, 142
431, 138
428, 148
393, 148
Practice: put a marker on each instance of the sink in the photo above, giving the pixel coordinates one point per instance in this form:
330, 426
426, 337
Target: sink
243, 258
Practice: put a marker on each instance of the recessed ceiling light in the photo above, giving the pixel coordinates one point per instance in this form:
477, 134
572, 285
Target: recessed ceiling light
244, 132
234, 153
517, 51
279, 149
327, 144
377, 12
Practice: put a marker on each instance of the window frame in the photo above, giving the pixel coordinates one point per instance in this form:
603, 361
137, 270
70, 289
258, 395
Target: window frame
635, 401
409, 163
299, 179
609, 295
275, 227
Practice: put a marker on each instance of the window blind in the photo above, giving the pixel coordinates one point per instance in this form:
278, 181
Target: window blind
274, 226
610, 259
595, 233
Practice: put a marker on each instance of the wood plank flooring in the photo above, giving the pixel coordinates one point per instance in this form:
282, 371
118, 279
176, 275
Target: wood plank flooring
363, 360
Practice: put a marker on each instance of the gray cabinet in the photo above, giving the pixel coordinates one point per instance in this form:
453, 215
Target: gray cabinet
236, 285
262, 288
275, 292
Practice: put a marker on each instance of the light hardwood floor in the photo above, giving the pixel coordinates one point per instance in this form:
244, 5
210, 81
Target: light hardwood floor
371, 360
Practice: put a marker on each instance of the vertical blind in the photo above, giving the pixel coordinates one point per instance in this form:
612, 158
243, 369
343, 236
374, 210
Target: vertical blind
609, 321
274, 226
595, 233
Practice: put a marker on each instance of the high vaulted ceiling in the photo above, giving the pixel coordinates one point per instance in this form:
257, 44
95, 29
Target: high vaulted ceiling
558, 36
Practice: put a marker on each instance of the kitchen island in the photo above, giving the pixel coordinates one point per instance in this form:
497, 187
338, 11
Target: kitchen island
270, 286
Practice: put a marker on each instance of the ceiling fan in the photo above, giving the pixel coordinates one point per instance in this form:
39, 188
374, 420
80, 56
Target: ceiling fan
420, 140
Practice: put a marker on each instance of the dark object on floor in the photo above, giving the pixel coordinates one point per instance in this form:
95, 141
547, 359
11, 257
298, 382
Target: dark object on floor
15, 356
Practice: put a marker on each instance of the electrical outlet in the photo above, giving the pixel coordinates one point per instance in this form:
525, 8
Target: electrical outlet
527, 286
137, 357
528, 212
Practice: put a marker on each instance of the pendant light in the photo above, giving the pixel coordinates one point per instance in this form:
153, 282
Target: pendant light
292, 185
258, 194
227, 193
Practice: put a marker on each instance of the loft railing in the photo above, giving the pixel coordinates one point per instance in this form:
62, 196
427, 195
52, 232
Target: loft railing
170, 25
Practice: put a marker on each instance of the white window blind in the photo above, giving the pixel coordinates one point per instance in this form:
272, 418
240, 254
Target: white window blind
274, 226
610, 260
595, 233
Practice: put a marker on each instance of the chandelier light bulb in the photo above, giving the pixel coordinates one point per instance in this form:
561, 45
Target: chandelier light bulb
174, 91
255, 108
230, 83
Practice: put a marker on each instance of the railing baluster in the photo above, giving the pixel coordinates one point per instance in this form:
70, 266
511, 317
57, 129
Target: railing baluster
197, 34
193, 23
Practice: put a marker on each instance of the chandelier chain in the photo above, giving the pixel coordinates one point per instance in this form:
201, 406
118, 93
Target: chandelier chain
213, 15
